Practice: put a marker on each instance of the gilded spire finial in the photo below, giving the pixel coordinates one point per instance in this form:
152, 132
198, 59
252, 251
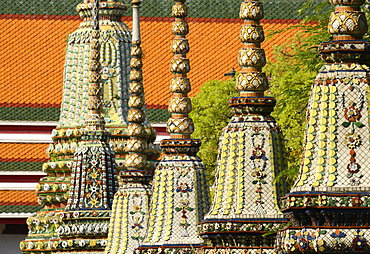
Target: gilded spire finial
251, 81
180, 125
95, 120
136, 160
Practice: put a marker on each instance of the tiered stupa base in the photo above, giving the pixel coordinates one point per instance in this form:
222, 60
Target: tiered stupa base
241, 235
326, 222
84, 232
129, 217
180, 200
329, 206
245, 214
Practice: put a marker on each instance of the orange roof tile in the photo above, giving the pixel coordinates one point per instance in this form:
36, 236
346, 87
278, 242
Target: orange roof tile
214, 50
33, 52
12, 197
32, 59
23, 152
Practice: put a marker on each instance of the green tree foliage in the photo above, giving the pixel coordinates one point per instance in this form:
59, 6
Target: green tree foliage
295, 65
210, 115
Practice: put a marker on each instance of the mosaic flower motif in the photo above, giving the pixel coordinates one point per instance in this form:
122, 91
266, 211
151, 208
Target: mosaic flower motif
184, 203
94, 175
338, 234
258, 153
356, 201
302, 244
64, 244
205, 226
137, 208
217, 226
184, 188
290, 245
258, 227
359, 243
81, 243
352, 114
228, 226
322, 200
93, 188
94, 162
55, 244
93, 202
30, 245
353, 167
258, 174
352, 140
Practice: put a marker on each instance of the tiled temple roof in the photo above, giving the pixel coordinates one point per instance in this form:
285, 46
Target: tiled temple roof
274, 9
22, 157
32, 69
18, 202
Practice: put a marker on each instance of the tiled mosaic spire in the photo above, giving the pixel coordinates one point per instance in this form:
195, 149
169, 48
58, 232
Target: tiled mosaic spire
251, 154
93, 180
329, 205
180, 125
115, 59
115, 42
131, 203
180, 195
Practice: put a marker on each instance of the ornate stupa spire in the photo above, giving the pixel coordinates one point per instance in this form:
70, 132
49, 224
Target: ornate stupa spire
94, 179
329, 204
115, 41
131, 203
251, 154
180, 194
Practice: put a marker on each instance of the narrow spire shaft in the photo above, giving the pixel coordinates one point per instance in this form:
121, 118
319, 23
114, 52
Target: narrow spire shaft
94, 120
136, 20
180, 125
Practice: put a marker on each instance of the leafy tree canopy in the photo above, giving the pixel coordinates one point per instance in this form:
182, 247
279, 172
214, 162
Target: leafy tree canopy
210, 115
295, 65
